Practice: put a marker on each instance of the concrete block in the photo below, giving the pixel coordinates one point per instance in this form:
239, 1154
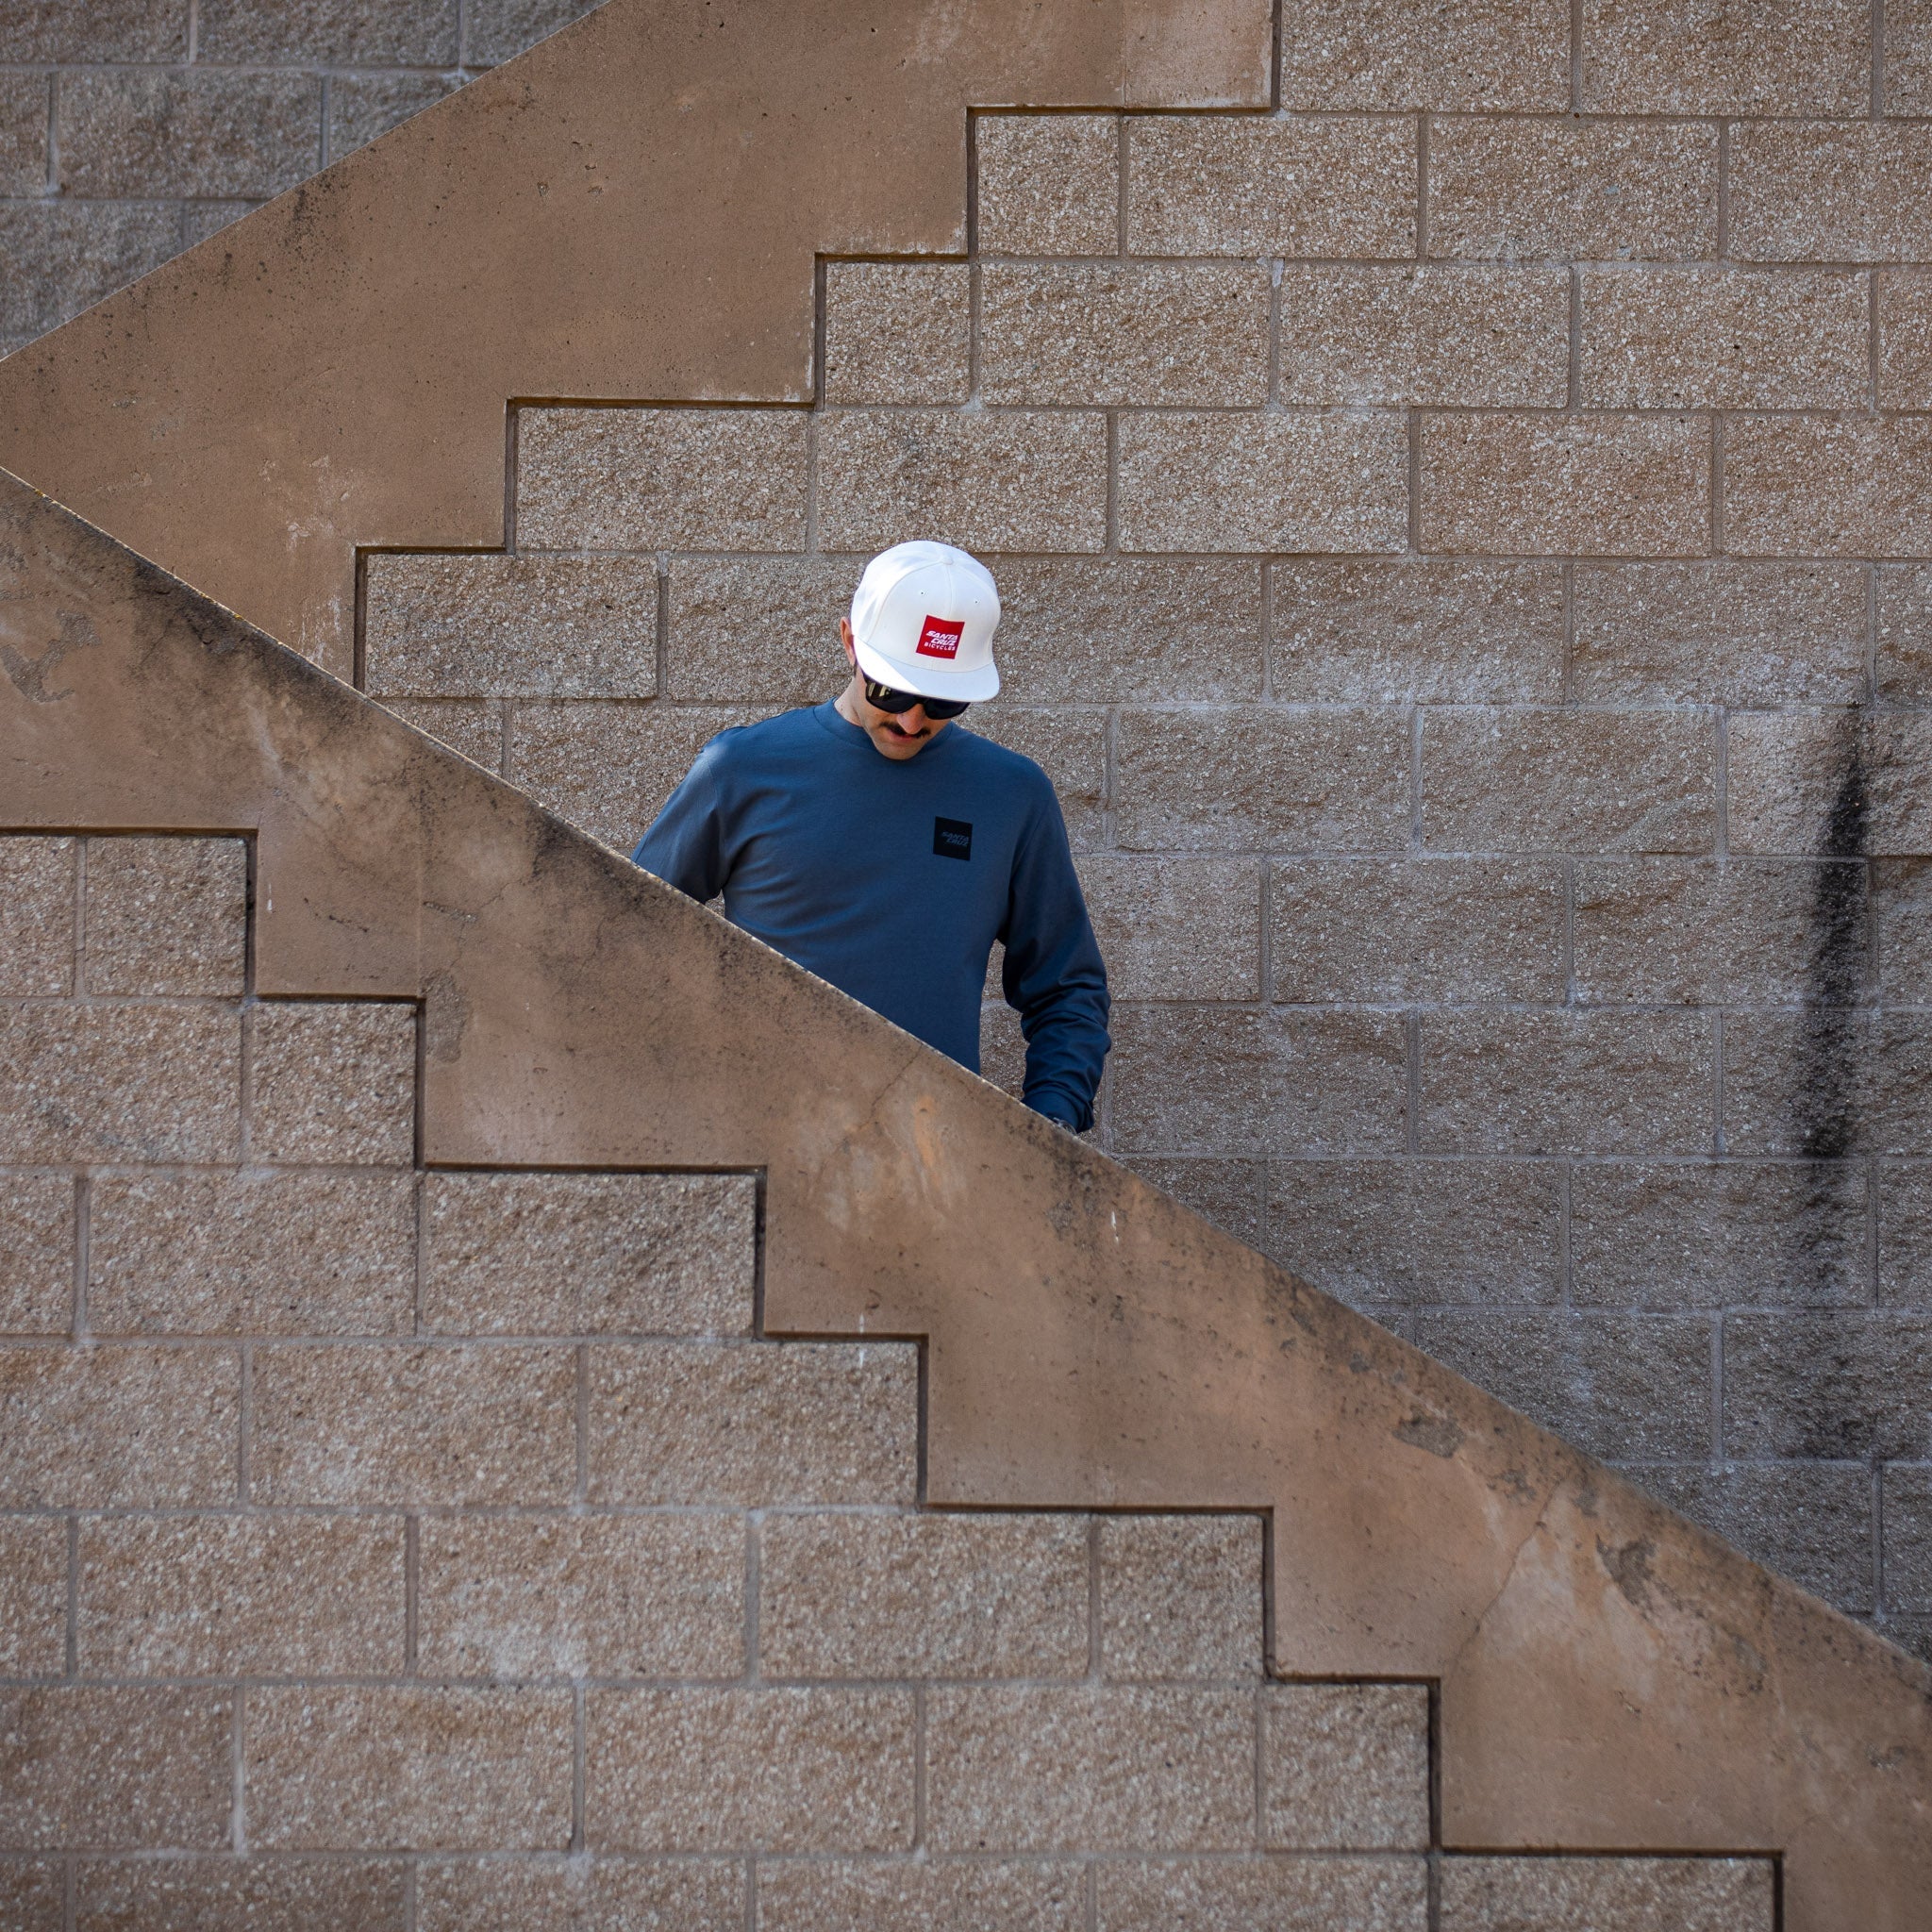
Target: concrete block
898, 332
1809, 1521
660, 479
1180, 1596
251, 1253
1724, 339
1596, 485
1488, 57
472, 726
1375, 1233
123, 1769
1176, 928
1565, 189
525, 1895
37, 1254
1295, 1895
596, 1597
1829, 784
228, 1895
407, 1767
1569, 781
1799, 782
1852, 1385
1348, 631
582, 1254
749, 1770
1295, 184
1581, 1894
332, 1082
37, 916
110, 1427
1659, 57
1069, 744
1828, 1082
1823, 191
1904, 1199
58, 258
75, 31
1719, 932
609, 768
1908, 1536
1049, 184
120, 1083
1901, 908
1119, 333
1017, 480
363, 105
1129, 630
201, 219
217, 1596
1388, 929
414, 1425
1828, 486
1718, 632
329, 33
1619, 1386
1223, 1080
1139, 1767
1295, 780
167, 916
33, 1599
923, 1895
1229, 1193
128, 132
1905, 339
752, 1425
1345, 1767
1470, 337
493, 30
510, 626
924, 1596
25, 109
1566, 1082
764, 628
1907, 84
1676, 1236
33, 1894
1240, 482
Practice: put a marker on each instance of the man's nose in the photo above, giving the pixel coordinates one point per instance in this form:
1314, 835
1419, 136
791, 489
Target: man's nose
914, 720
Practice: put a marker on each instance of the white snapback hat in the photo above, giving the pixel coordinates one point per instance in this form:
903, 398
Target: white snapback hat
922, 620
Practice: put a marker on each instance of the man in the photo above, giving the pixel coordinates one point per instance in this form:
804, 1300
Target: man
885, 853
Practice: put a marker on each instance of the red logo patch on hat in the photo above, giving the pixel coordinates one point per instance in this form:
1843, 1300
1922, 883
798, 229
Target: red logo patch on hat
939, 638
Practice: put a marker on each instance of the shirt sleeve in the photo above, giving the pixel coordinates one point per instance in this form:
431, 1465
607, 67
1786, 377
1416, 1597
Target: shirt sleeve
685, 846
1054, 974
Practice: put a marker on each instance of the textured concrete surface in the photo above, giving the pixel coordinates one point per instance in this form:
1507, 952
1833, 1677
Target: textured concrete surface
130, 132
673, 248
1391, 787
1421, 1531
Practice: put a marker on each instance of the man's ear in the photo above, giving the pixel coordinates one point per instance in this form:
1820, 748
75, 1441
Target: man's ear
845, 638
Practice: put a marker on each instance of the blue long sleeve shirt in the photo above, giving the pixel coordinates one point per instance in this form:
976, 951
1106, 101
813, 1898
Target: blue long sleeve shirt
893, 879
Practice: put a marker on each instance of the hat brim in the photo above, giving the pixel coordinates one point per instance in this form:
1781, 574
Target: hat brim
972, 687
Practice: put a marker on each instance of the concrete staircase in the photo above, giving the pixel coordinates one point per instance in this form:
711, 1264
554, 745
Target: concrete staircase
424, 1547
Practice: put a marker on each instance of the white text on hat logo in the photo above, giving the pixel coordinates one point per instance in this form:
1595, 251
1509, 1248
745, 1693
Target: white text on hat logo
939, 639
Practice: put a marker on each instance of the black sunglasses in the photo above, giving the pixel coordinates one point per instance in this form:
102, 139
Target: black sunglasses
882, 697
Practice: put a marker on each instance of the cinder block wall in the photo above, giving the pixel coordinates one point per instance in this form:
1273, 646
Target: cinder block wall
131, 129
445, 1549
1461, 540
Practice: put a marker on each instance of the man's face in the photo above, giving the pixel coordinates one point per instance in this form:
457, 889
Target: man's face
901, 736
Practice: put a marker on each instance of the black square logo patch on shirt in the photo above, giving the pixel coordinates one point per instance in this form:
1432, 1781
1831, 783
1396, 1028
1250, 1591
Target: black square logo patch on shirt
951, 838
